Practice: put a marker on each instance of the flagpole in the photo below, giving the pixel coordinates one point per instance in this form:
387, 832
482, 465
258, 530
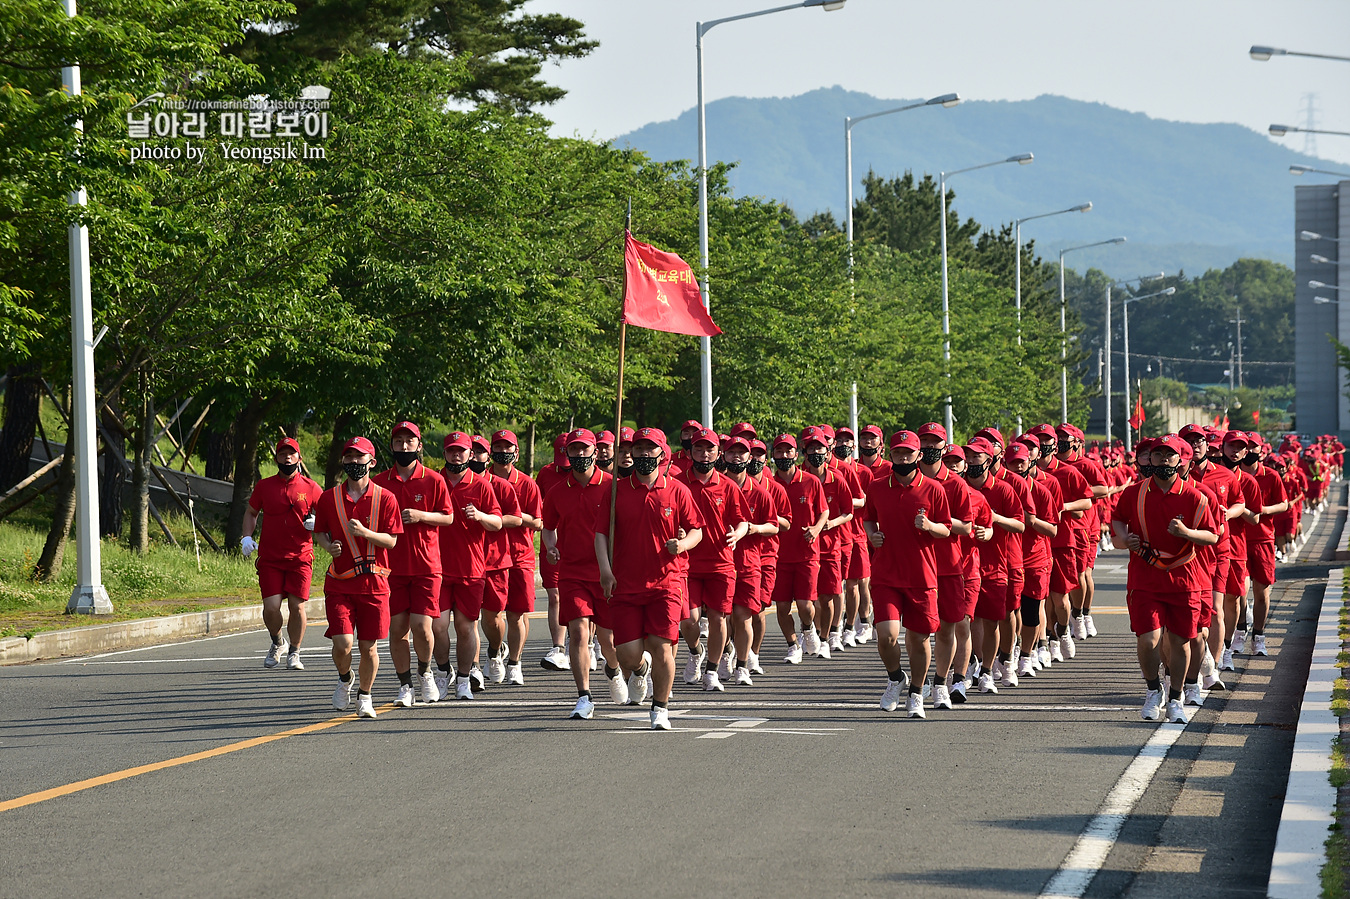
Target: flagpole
618, 398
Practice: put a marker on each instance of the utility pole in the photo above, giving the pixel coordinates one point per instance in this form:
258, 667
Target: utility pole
1238, 321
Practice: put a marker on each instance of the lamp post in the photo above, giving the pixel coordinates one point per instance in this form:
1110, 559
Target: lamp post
1282, 130
1063, 332
1106, 383
1125, 310
1020, 159
1307, 169
1313, 235
946, 100
1263, 54
702, 28
1322, 301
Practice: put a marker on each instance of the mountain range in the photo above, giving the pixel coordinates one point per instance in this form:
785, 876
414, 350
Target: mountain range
1186, 196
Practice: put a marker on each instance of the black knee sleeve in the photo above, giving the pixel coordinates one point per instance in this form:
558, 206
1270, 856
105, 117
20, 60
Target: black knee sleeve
1031, 612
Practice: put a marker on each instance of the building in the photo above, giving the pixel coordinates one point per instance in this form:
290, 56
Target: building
1321, 405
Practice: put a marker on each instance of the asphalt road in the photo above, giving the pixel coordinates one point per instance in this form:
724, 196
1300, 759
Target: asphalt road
798, 785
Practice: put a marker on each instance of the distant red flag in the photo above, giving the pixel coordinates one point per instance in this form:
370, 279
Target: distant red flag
1216, 421
1256, 418
1137, 419
662, 293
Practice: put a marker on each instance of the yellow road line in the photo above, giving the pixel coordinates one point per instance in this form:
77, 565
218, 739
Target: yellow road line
81, 785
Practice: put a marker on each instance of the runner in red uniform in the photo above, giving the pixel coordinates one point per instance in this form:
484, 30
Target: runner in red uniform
857, 560
953, 608
1065, 559
286, 501
1007, 629
768, 550
415, 561
981, 531
761, 513
679, 462
1226, 489
498, 560
1261, 539
520, 583
1042, 524
833, 542
555, 472
992, 604
357, 523
1235, 446
798, 547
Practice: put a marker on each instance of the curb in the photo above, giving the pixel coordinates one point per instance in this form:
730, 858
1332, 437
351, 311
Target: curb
1300, 843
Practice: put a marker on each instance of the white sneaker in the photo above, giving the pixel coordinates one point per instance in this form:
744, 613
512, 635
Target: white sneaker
914, 706
584, 709
1044, 656
476, 678
1089, 628
823, 649
866, 634
1009, 677
342, 694
693, 669
986, 684
890, 700
660, 718
1153, 701
514, 676
743, 677
724, 666
365, 708
1259, 644
996, 670
794, 655
293, 662
1077, 628
1190, 695
810, 642
1207, 663
1066, 647
1026, 669
555, 659
442, 687
927, 690
703, 628
1056, 651
274, 654
850, 639
430, 692
1226, 661
640, 686
463, 689
1212, 682
836, 642
958, 690
942, 697
712, 683
753, 664
405, 696
596, 657
1239, 641
618, 690
1176, 712
496, 670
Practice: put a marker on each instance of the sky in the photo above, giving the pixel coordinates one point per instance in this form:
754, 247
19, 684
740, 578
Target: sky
1184, 60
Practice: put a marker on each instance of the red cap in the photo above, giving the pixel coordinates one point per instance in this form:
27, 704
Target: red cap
359, 443
651, 435
606, 437
1215, 440
506, 435
785, 440
1017, 452
406, 426
706, 435
1189, 431
953, 450
581, 435
288, 443
1238, 437
559, 442
691, 423
813, 434
1044, 433
1177, 445
625, 436
1256, 439
842, 430
1145, 444
723, 440
757, 444
744, 427
982, 445
1031, 443
456, 439
480, 443
904, 440
873, 429
932, 427
739, 440
827, 430
992, 435
1068, 430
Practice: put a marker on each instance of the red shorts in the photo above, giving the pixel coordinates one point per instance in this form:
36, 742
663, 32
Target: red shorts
496, 588
1220, 575
549, 572
713, 590
1064, 569
1235, 579
992, 604
973, 584
363, 614
1036, 584
1088, 555
1012, 600
830, 579
768, 576
916, 608
417, 594
1206, 608
1284, 524
796, 581
1261, 563
289, 579
651, 613
583, 599
953, 603
1178, 612
520, 590
463, 596
859, 562
749, 592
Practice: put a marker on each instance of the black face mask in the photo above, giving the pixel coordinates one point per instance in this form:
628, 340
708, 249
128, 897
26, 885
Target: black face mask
645, 465
975, 472
843, 452
784, 464
1065, 446
1047, 450
905, 469
581, 464
503, 459
456, 467
931, 455
687, 445
625, 470
754, 467
868, 451
703, 467
404, 458
288, 468
1228, 463
477, 466
720, 465
1166, 472
1146, 470
356, 470
1250, 460
605, 464
816, 459
737, 467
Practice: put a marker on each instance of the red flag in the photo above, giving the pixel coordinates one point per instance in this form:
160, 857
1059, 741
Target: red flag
1216, 421
662, 293
1137, 419
1256, 418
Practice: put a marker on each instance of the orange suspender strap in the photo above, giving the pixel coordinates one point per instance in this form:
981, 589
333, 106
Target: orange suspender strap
367, 561
1172, 561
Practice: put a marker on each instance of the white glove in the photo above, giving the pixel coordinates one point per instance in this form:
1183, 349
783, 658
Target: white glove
249, 546
309, 522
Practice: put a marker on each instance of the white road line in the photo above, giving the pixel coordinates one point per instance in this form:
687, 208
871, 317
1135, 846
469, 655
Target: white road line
1088, 855
731, 703
120, 652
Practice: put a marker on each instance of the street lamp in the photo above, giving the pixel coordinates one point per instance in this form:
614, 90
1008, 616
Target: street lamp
1106, 384
702, 28
946, 100
1313, 235
1282, 130
1125, 308
1321, 260
1319, 284
1307, 169
1263, 54
1020, 159
1322, 301
1063, 334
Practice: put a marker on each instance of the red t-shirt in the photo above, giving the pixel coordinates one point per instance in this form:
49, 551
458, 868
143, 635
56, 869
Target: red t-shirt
497, 549
1272, 494
768, 550
1019, 486
464, 543
572, 510
531, 503
907, 557
645, 518
1096, 477
1225, 487
1047, 506
284, 504
959, 505
721, 508
857, 482
1249, 492
996, 554
389, 521
839, 501
982, 515
760, 508
1072, 487
1160, 507
418, 551
806, 503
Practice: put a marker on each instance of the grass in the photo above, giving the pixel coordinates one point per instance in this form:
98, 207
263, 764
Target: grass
1333, 875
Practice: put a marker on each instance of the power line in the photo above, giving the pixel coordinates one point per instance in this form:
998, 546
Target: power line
1224, 362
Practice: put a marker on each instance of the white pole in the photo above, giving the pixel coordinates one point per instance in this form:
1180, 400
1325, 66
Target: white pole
1129, 437
1107, 384
853, 417
89, 595
705, 343
1017, 301
1063, 349
848, 191
946, 322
